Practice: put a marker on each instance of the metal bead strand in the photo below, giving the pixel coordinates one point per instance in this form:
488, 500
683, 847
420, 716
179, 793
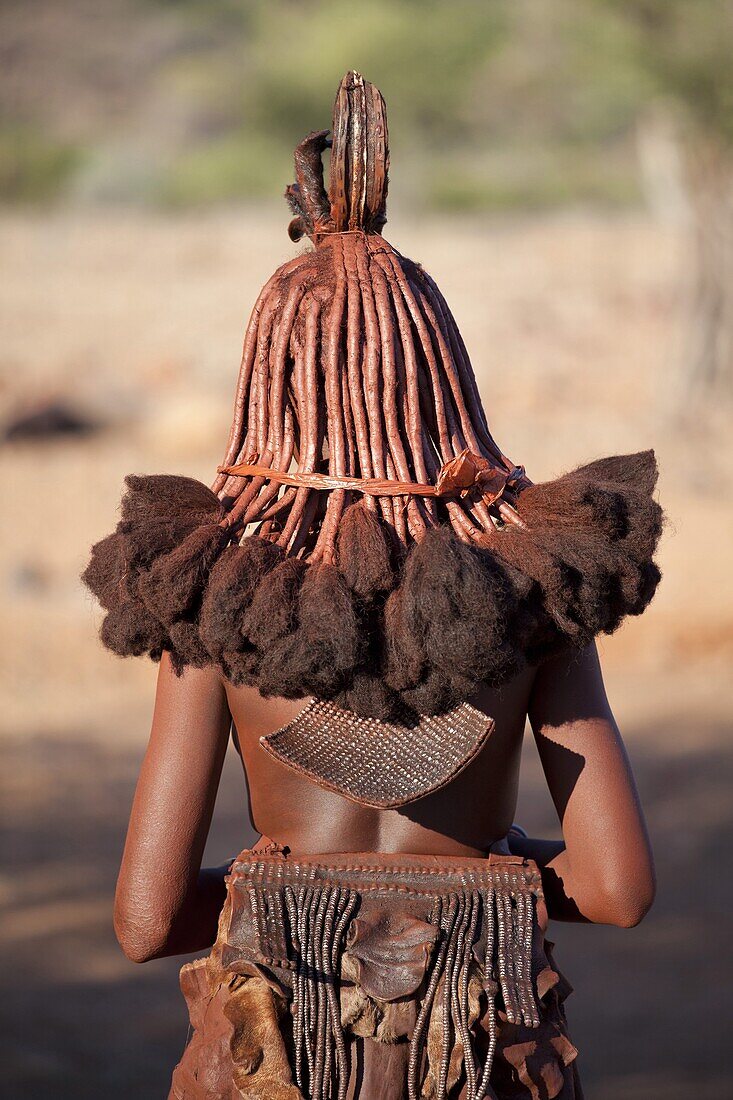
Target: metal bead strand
469, 1061
316, 947
293, 903
308, 1005
450, 962
336, 906
444, 921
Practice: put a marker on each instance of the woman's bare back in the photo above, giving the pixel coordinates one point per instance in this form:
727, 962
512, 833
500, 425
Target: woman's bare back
601, 871
466, 817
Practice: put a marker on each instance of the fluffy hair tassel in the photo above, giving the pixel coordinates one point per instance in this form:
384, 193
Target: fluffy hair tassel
320, 657
232, 584
131, 631
458, 601
175, 582
363, 553
104, 575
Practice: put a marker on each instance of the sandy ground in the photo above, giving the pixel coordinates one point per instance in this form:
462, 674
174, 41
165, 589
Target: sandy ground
575, 328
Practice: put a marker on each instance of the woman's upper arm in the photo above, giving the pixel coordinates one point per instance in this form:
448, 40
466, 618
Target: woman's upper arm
608, 860
173, 804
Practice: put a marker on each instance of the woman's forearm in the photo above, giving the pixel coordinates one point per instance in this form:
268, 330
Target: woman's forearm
194, 925
569, 897
551, 858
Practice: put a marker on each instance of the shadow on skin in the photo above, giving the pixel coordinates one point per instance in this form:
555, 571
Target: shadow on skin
478, 784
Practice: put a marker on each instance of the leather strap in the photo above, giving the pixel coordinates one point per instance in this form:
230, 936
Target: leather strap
457, 476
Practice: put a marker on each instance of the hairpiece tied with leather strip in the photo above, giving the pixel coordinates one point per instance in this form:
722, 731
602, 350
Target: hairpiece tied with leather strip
366, 540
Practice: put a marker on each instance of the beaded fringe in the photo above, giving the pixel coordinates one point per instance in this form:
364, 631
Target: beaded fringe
311, 942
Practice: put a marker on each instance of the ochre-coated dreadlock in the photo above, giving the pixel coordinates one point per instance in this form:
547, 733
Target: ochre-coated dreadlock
366, 540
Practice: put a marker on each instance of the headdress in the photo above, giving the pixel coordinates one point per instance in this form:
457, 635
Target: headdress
366, 541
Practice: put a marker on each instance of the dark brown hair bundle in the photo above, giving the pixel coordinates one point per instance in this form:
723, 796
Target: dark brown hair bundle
365, 539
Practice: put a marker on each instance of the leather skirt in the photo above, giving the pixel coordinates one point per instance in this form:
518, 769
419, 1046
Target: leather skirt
382, 977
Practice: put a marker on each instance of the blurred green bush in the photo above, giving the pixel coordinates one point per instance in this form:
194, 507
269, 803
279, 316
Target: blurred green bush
34, 166
492, 105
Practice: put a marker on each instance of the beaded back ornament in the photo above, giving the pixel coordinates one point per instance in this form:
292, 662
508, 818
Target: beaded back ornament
366, 540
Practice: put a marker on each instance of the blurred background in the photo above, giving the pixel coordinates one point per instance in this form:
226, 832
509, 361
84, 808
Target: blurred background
564, 168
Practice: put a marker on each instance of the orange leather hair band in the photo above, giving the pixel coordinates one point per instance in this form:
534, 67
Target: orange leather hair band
457, 476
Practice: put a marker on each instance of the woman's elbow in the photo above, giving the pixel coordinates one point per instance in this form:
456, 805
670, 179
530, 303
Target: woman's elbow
626, 905
634, 911
136, 951
141, 939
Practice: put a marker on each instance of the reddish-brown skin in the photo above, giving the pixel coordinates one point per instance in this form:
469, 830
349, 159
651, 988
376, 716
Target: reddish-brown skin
603, 872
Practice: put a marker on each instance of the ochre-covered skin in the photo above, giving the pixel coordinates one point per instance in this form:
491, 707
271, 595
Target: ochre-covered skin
602, 872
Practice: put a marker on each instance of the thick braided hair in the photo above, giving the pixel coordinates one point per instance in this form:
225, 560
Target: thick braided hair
342, 551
